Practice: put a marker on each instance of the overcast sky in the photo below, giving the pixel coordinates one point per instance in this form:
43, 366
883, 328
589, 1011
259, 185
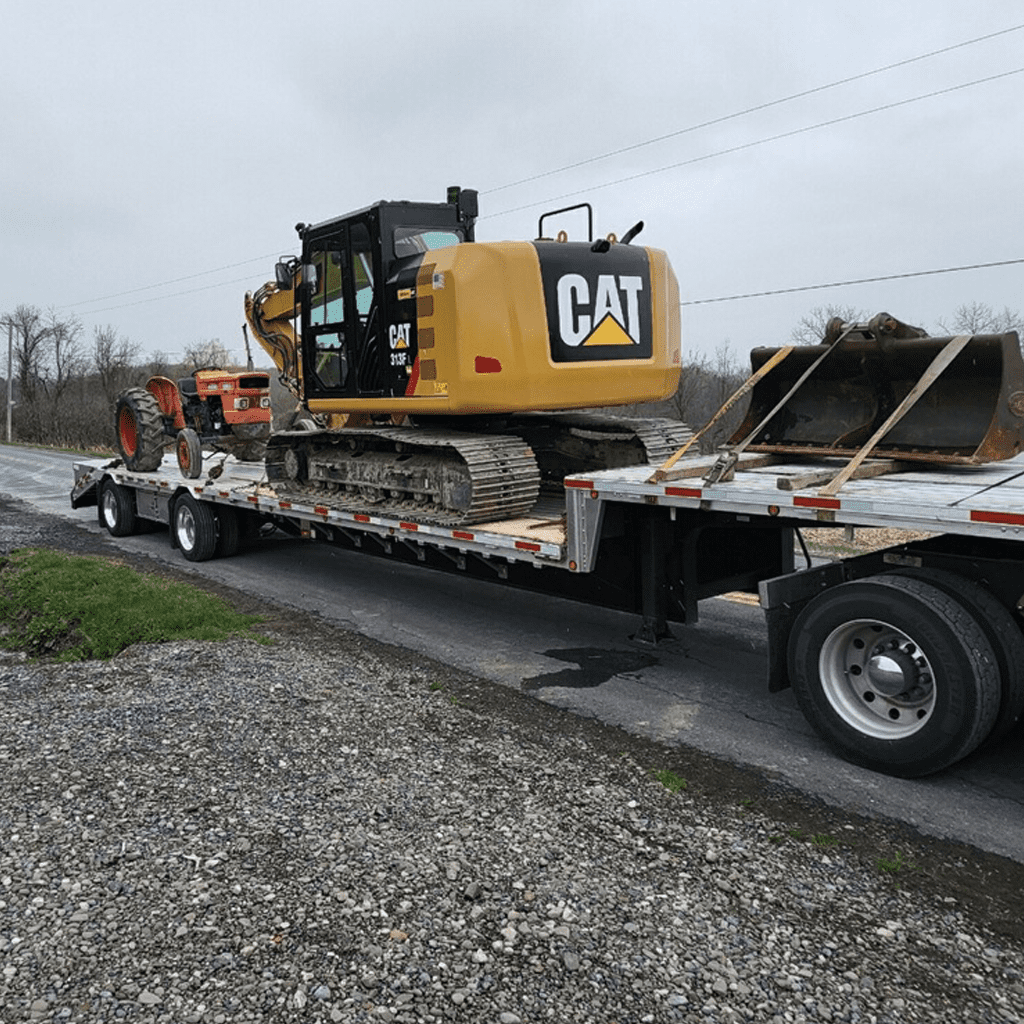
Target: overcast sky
155, 157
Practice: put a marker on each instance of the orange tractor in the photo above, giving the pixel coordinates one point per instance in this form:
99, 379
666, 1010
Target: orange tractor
211, 408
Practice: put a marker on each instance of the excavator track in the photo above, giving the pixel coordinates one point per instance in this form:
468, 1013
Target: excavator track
445, 477
585, 442
453, 477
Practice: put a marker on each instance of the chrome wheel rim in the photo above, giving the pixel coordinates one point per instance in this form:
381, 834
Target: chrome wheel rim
109, 508
877, 679
186, 528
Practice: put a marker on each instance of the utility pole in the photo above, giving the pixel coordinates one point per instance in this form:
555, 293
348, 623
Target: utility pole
10, 377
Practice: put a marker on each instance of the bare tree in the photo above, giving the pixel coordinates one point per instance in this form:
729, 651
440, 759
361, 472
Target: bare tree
160, 365
112, 359
31, 336
811, 328
206, 353
981, 318
67, 357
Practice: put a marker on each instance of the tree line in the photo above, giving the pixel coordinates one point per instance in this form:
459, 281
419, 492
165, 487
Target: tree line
66, 384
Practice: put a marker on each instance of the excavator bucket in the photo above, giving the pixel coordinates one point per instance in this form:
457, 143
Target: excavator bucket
892, 388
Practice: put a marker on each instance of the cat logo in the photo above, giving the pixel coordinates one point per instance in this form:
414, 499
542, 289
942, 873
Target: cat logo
610, 317
398, 336
598, 304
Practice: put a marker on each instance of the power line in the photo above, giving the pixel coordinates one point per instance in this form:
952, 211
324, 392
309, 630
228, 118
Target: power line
859, 280
759, 142
617, 152
165, 284
171, 295
632, 177
751, 110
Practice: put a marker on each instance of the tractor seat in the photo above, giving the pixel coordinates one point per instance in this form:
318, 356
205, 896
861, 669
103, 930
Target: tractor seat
187, 386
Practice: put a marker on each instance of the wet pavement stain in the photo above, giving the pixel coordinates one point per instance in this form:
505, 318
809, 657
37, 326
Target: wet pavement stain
593, 667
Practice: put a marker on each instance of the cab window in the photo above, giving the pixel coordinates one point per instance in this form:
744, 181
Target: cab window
412, 241
362, 268
328, 304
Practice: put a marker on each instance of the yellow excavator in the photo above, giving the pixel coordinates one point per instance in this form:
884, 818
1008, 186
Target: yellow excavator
444, 378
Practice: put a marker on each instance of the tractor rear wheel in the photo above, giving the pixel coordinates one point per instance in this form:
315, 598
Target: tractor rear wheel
139, 430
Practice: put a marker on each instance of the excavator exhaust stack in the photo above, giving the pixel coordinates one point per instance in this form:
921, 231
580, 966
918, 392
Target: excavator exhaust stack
892, 388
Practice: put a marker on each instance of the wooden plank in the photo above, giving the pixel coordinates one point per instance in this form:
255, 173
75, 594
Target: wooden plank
815, 478
689, 472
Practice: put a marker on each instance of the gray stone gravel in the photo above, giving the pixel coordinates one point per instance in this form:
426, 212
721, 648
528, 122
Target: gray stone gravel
323, 829
328, 829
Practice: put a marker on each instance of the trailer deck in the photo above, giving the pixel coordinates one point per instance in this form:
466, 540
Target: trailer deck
538, 537
985, 500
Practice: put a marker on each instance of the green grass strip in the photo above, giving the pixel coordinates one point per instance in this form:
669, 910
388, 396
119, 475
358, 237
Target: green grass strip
71, 608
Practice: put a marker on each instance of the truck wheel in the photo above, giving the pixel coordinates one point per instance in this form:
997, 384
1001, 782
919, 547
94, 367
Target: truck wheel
116, 509
139, 429
195, 528
190, 454
250, 441
1001, 631
894, 674
228, 532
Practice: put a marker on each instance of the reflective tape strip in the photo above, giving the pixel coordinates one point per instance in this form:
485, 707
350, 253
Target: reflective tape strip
1005, 518
799, 500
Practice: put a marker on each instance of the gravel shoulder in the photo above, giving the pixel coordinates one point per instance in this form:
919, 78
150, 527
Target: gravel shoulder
327, 828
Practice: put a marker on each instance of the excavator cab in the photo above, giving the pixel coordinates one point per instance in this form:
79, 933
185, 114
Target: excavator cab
358, 335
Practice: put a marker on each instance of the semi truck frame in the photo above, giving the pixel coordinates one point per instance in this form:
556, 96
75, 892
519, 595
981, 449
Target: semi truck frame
905, 660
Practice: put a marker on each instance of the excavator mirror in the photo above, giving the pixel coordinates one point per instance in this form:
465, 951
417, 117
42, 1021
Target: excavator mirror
283, 276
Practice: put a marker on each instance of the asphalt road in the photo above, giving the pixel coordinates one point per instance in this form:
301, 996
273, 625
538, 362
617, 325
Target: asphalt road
705, 690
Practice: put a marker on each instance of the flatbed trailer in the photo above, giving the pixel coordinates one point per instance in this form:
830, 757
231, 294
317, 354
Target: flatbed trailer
905, 659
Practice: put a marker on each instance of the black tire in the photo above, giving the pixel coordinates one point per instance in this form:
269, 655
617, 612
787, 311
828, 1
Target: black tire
894, 674
229, 534
195, 528
1001, 631
250, 443
116, 510
189, 451
139, 430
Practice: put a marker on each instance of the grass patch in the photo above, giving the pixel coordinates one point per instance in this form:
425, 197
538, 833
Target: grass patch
894, 865
672, 782
70, 608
